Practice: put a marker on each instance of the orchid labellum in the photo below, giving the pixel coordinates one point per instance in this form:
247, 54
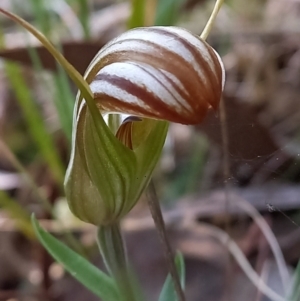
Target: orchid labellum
156, 75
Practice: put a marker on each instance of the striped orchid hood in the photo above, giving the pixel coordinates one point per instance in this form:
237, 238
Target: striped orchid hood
153, 75
164, 73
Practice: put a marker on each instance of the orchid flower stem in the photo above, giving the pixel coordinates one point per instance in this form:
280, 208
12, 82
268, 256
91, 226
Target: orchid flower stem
157, 216
211, 20
153, 202
112, 248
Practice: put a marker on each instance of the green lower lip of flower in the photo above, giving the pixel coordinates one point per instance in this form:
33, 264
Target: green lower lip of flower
105, 178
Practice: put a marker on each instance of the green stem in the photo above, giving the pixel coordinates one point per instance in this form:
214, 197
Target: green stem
112, 248
211, 20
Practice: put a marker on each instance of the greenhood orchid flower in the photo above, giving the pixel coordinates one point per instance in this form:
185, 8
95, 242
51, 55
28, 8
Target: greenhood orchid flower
155, 75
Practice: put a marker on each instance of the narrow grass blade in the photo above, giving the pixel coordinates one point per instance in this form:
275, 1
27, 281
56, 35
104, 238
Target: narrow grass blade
87, 274
34, 121
168, 291
167, 12
18, 213
64, 101
83, 15
43, 17
137, 18
294, 295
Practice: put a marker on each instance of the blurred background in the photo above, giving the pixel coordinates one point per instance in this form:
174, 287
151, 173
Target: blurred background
234, 175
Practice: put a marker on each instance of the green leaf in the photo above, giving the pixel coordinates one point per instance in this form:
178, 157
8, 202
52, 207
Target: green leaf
42, 15
167, 12
168, 292
87, 274
64, 101
137, 18
294, 294
18, 213
84, 13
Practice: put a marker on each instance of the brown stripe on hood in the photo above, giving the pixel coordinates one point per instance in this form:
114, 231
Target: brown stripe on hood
170, 61
158, 109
